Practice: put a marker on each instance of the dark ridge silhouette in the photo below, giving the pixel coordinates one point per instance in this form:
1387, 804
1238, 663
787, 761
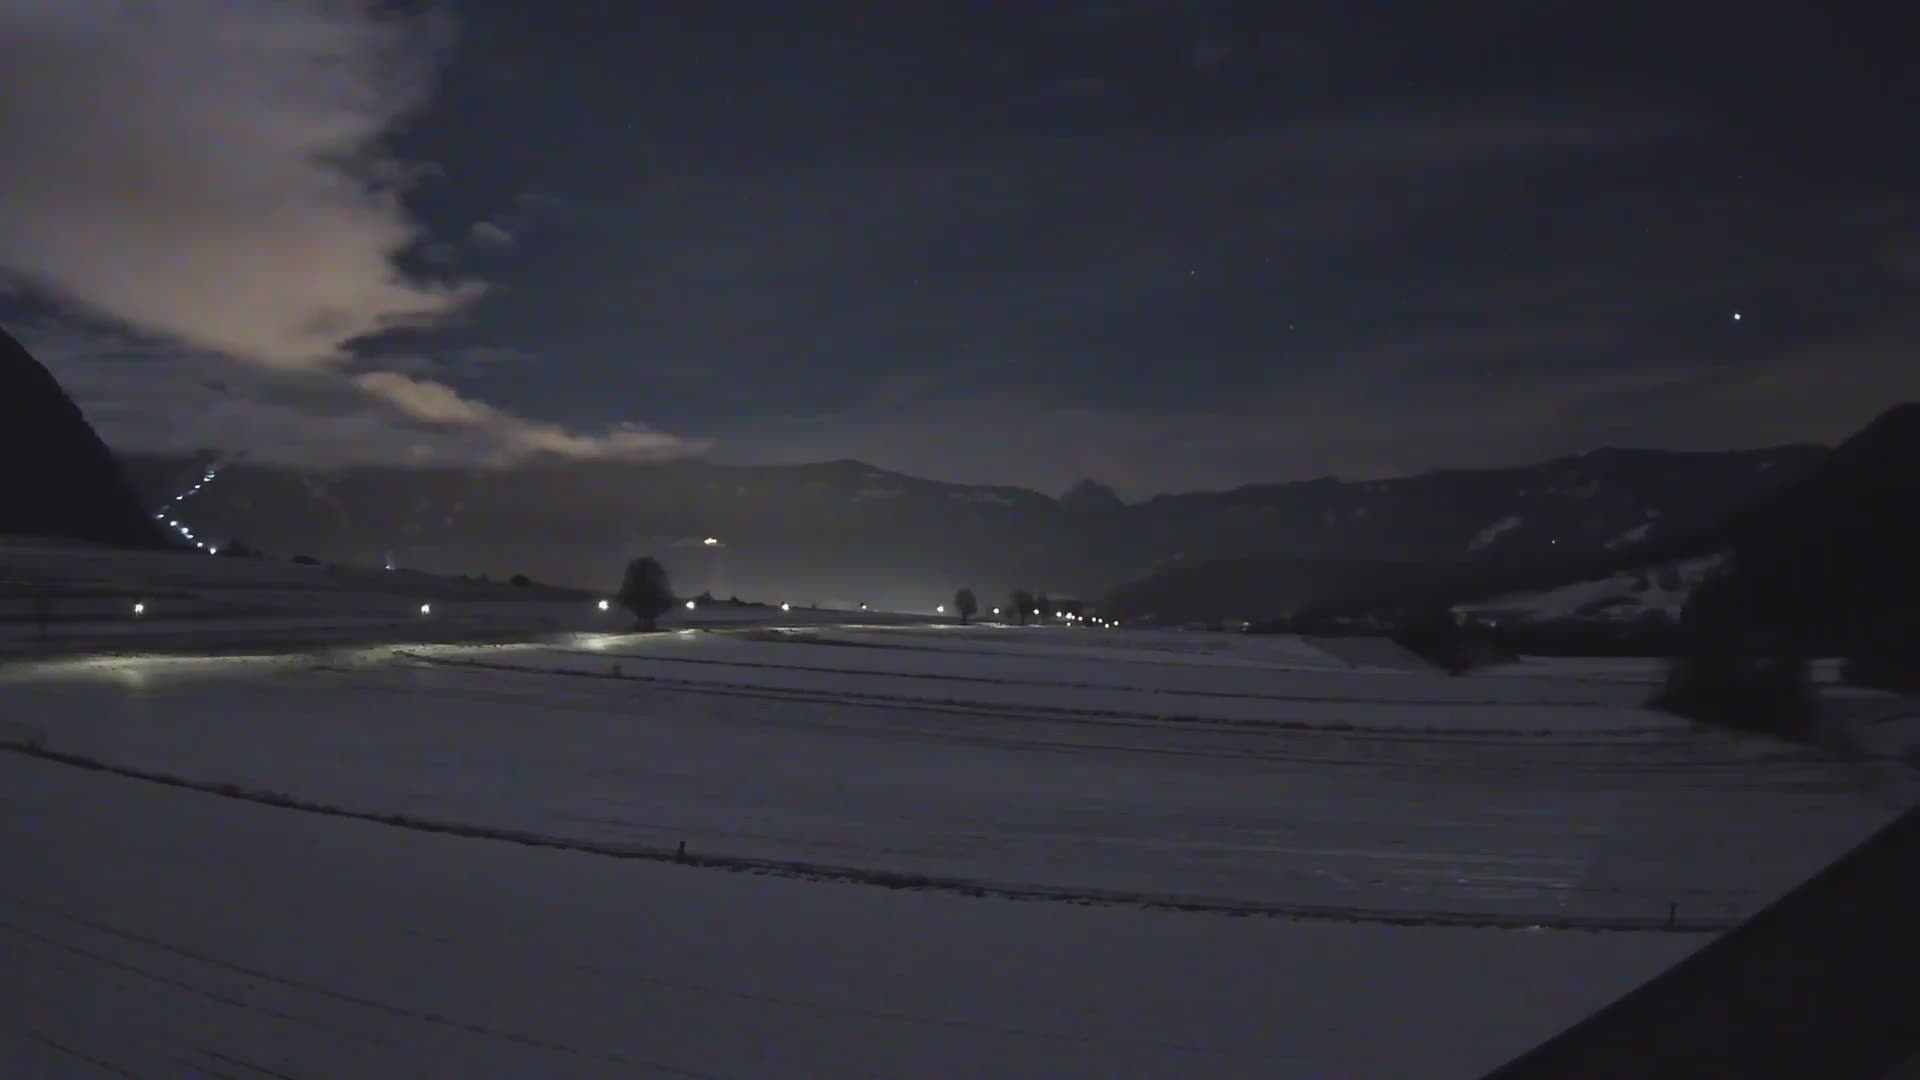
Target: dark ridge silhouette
1820, 983
1831, 558
1824, 547
56, 477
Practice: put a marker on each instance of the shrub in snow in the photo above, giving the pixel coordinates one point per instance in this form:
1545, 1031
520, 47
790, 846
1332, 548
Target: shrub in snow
1440, 640
966, 604
1737, 667
1022, 602
645, 591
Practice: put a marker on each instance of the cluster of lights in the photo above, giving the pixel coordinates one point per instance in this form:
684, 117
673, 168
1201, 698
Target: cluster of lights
1073, 618
181, 527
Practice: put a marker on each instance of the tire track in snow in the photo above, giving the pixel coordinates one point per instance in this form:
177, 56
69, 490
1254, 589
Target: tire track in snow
1468, 755
847, 697
318, 990
1224, 695
855, 875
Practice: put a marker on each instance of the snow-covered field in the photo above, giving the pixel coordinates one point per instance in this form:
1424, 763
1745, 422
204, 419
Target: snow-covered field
1433, 873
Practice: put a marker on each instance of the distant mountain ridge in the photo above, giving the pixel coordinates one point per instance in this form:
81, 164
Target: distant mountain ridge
845, 531
1833, 552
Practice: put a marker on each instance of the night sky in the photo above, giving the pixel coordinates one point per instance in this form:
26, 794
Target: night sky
1166, 245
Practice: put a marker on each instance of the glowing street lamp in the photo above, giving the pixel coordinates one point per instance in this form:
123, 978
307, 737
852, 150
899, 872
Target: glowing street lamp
940, 610
139, 608
604, 606
426, 609
690, 605
786, 607
712, 541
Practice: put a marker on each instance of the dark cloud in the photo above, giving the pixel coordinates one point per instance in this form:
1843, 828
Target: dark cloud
1163, 243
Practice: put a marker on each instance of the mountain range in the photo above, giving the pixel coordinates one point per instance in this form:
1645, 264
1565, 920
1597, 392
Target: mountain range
844, 532
1792, 548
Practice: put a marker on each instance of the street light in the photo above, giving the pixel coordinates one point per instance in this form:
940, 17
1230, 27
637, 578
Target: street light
604, 605
712, 542
690, 605
940, 610
139, 608
786, 607
426, 609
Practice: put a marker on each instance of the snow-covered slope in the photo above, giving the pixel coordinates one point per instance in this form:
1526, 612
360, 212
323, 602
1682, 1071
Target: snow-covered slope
1619, 597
